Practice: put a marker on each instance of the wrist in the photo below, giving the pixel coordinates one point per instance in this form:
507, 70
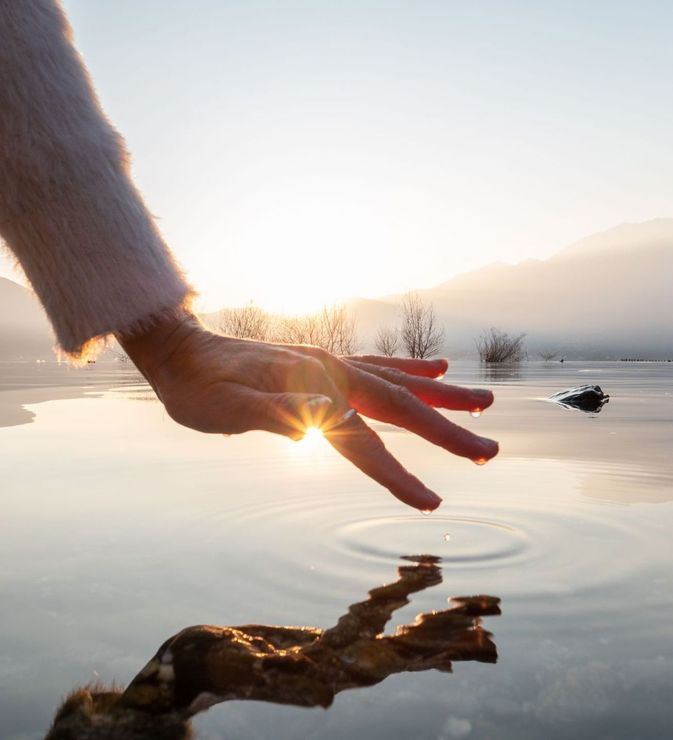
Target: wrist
151, 346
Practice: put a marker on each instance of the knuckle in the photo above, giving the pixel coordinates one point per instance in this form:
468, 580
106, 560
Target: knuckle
314, 365
322, 355
393, 375
402, 396
309, 369
370, 442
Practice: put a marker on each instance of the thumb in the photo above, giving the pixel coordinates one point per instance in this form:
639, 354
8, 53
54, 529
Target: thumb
300, 411
290, 414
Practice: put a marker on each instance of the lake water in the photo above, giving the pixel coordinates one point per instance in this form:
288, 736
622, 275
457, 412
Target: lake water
119, 528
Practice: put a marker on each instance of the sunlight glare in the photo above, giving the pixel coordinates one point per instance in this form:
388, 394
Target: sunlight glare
312, 440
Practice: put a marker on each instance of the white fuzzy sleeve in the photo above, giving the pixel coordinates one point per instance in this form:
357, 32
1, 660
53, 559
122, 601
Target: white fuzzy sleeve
68, 208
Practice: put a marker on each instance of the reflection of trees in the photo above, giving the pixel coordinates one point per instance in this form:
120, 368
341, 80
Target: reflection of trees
496, 373
302, 666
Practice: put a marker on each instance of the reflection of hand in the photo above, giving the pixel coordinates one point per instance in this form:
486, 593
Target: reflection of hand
301, 666
223, 385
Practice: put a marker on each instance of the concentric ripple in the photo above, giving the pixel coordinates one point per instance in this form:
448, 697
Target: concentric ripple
454, 539
542, 537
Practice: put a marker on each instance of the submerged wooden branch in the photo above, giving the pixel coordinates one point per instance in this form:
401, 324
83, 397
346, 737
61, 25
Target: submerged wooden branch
302, 666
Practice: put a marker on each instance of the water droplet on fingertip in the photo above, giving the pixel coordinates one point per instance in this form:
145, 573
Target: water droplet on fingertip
426, 512
475, 413
480, 460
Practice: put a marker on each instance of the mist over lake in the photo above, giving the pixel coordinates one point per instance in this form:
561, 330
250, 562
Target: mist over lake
604, 297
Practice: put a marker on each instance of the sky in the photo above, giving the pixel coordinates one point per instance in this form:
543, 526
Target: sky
296, 153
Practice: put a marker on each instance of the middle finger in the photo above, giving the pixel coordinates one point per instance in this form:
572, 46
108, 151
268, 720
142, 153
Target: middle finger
382, 400
432, 392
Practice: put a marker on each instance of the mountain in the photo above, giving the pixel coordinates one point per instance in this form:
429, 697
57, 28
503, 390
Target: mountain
608, 295
624, 238
25, 332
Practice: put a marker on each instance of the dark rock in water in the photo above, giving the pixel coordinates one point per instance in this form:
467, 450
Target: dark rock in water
589, 398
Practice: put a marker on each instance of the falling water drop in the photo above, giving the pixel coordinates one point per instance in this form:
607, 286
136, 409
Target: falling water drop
475, 413
447, 537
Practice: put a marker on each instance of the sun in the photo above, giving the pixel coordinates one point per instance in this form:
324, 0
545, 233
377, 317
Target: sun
312, 439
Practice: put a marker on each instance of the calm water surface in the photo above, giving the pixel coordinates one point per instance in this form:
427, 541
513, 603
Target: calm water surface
119, 528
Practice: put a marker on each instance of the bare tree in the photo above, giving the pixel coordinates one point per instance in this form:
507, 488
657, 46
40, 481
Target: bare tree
421, 334
549, 354
495, 345
297, 330
339, 330
248, 322
333, 329
387, 340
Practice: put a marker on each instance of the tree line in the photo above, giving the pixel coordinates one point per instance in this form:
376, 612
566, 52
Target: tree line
417, 334
334, 328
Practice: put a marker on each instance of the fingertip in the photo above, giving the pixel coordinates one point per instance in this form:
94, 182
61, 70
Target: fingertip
418, 496
443, 366
337, 419
292, 414
480, 400
312, 411
486, 398
431, 501
489, 449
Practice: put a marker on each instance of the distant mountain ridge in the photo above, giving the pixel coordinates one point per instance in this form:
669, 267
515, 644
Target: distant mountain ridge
25, 332
645, 235
608, 295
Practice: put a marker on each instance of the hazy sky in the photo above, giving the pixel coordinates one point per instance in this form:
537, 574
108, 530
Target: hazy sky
300, 152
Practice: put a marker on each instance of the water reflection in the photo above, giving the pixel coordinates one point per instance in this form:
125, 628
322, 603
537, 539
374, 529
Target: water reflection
301, 666
490, 372
587, 398
24, 384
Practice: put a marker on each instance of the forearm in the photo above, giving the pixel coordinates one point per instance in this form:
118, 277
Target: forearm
68, 208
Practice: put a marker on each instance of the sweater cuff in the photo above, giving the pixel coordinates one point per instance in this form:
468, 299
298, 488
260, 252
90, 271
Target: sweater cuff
97, 262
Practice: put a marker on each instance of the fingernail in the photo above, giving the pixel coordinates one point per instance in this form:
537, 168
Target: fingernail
430, 500
349, 414
443, 372
318, 403
339, 420
335, 419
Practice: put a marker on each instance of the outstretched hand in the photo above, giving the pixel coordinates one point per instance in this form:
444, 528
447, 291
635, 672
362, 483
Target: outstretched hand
219, 384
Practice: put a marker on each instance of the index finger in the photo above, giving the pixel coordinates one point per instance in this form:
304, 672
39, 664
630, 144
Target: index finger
364, 448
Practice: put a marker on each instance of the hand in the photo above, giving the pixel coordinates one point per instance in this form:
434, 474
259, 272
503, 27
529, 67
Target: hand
219, 384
